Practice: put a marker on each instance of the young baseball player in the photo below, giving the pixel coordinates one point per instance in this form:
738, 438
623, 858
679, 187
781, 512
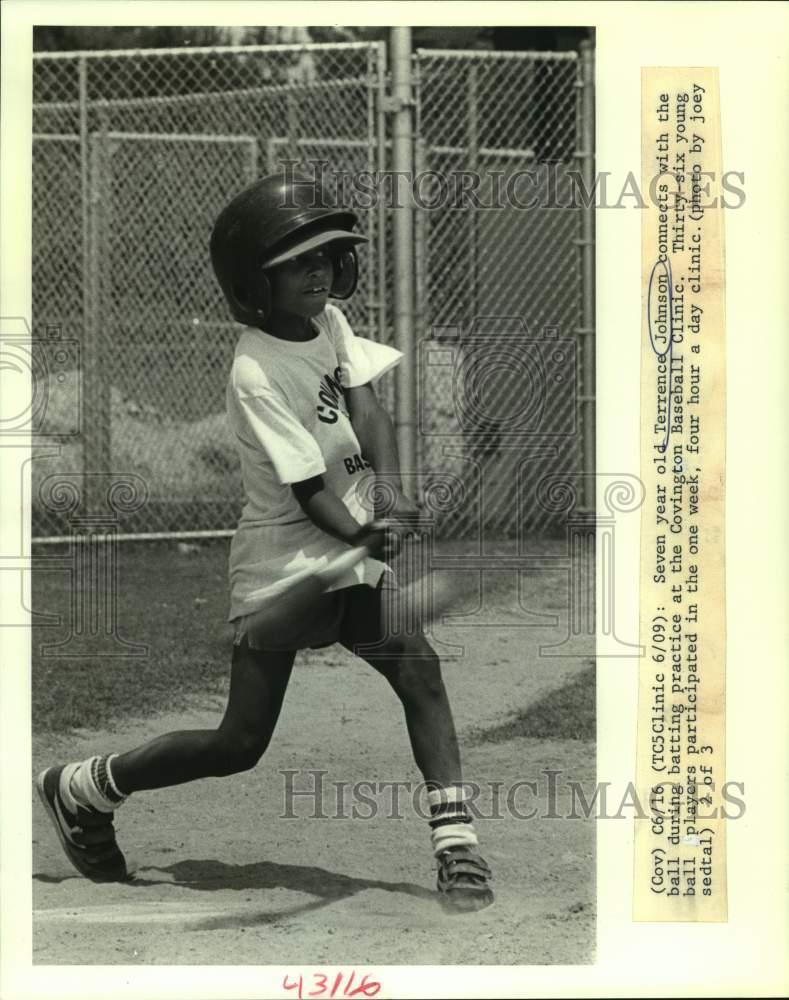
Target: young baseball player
310, 433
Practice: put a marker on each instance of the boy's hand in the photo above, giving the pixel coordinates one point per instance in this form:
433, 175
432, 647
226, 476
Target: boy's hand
378, 536
400, 508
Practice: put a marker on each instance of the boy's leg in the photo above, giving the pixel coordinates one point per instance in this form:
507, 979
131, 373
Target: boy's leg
413, 670
80, 798
258, 682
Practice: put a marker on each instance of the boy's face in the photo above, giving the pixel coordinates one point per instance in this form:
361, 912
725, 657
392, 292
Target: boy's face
301, 286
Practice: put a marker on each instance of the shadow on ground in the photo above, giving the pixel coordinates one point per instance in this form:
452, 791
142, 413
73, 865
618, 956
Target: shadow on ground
212, 876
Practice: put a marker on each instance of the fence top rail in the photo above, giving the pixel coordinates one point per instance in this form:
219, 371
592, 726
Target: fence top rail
569, 56
58, 136
176, 137
143, 536
204, 49
150, 137
268, 89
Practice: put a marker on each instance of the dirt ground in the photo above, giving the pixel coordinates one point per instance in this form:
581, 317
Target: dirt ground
223, 878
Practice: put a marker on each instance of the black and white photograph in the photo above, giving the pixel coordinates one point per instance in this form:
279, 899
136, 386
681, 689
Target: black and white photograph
313, 517
392, 568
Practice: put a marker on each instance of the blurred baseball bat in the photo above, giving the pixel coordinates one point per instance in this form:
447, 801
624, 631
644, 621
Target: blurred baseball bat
422, 597
416, 605
291, 604
407, 608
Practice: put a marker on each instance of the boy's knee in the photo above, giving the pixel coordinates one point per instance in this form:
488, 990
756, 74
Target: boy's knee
418, 674
237, 752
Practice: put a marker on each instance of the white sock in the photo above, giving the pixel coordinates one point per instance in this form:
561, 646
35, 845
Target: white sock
90, 784
450, 822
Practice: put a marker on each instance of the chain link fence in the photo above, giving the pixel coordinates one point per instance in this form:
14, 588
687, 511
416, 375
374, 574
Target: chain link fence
134, 154
499, 284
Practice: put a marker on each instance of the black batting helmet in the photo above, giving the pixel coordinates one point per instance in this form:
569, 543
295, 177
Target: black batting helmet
273, 220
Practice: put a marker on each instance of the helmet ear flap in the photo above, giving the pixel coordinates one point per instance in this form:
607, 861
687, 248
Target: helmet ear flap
346, 274
252, 305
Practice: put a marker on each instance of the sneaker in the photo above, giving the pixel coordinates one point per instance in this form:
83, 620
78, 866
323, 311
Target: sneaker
87, 836
463, 880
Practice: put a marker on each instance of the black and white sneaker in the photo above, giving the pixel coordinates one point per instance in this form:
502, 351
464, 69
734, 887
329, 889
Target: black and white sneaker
463, 880
87, 836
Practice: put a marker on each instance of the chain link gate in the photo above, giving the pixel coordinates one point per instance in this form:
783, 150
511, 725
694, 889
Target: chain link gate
136, 152
500, 287
134, 155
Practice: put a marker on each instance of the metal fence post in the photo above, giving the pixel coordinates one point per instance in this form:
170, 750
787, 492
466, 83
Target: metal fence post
421, 270
380, 208
587, 344
84, 175
403, 226
473, 162
97, 413
86, 170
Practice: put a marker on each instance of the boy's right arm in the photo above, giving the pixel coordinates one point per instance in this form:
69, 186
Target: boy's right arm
327, 511
292, 450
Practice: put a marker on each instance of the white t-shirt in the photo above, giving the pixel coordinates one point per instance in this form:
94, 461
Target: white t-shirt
286, 409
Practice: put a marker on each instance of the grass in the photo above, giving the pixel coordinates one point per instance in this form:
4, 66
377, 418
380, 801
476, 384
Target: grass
566, 714
171, 601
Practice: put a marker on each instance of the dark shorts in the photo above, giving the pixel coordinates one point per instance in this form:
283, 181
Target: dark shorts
351, 616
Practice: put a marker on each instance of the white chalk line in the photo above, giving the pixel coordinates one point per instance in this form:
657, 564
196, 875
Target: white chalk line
174, 913
155, 913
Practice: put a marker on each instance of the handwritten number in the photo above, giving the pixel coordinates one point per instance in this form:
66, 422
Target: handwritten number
369, 989
322, 987
293, 986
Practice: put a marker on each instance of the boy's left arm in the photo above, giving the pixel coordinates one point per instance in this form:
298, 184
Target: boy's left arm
374, 428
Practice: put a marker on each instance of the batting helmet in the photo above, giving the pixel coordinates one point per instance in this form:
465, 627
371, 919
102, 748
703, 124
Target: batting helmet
273, 220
